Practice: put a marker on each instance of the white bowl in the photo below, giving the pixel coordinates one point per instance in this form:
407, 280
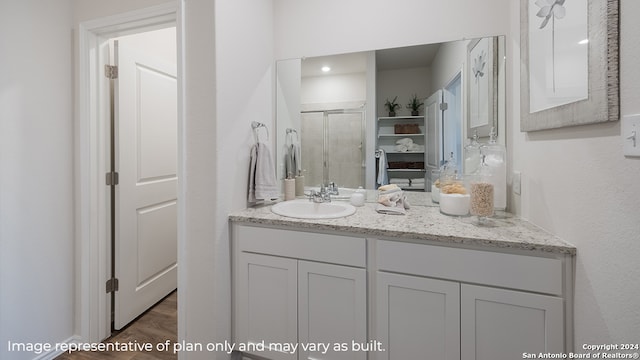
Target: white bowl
455, 204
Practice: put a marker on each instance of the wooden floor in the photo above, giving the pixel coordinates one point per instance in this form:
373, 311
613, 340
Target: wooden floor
157, 325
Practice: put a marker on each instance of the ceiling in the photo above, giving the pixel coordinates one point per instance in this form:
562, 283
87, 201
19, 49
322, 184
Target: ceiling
386, 59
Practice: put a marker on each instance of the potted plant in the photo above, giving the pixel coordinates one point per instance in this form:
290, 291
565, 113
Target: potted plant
414, 104
392, 106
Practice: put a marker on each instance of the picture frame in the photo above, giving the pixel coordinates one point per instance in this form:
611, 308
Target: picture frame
556, 90
482, 66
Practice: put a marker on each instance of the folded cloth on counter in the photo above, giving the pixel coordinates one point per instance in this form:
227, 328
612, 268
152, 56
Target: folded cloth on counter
392, 201
417, 181
262, 177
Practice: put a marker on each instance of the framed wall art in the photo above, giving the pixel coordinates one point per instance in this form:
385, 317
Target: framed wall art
569, 63
481, 89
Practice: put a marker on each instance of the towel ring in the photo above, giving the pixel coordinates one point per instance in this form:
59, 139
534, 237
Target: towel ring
256, 128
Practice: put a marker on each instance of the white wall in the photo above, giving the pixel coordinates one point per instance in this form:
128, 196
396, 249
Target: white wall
333, 89
228, 82
84, 10
449, 60
326, 27
36, 180
403, 83
577, 184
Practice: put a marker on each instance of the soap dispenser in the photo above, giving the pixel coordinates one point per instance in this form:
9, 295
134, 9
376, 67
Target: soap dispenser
358, 197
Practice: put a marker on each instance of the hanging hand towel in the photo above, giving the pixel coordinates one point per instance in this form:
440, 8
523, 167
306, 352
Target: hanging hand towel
262, 179
383, 177
293, 161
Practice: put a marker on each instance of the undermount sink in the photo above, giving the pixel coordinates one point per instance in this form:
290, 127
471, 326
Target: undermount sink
305, 209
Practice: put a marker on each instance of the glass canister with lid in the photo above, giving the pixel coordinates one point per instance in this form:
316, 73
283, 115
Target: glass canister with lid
454, 196
495, 159
481, 190
472, 157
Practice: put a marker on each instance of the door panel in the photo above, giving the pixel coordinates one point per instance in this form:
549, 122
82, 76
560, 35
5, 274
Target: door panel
146, 196
418, 318
433, 118
332, 309
500, 324
267, 303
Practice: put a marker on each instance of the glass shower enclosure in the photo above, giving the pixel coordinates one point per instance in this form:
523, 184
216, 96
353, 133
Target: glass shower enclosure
332, 147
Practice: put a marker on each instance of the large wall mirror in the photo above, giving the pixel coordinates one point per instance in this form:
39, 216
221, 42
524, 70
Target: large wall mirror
332, 108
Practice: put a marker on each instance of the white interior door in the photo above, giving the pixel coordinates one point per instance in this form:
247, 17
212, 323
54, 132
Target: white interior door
146, 197
433, 118
452, 133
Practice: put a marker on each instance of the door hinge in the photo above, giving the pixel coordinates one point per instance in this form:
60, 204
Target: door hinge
444, 106
111, 71
112, 285
112, 178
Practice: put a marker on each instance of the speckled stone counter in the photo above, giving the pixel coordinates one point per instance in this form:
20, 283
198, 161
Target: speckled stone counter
422, 223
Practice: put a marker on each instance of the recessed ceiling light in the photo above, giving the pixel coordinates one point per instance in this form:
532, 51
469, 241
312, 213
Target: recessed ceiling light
326, 69
582, 42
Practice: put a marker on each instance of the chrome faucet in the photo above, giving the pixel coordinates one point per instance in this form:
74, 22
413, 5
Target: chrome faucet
332, 189
319, 196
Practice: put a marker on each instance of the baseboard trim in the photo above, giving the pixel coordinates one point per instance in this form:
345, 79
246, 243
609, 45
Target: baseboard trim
54, 353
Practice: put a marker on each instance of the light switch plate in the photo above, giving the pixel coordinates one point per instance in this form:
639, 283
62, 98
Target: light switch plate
630, 134
517, 182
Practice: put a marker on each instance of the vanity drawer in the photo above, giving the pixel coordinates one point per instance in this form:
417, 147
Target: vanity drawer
529, 273
336, 249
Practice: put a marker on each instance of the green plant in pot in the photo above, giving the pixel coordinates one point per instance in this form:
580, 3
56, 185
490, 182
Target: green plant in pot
392, 106
415, 105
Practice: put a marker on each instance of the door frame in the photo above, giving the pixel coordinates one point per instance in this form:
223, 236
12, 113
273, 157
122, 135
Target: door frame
463, 114
93, 252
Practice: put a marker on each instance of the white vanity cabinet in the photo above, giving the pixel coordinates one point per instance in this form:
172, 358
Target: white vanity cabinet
403, 298
293, 287
430, 303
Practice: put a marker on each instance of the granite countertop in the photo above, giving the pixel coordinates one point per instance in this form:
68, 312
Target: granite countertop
422, 222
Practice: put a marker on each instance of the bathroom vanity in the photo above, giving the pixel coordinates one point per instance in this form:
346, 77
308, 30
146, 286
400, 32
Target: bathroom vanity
423, 285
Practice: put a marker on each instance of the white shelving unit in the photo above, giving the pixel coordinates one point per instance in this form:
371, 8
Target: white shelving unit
386, 140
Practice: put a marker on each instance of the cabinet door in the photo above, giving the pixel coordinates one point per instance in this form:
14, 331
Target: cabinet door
266, 303
498, 324
417, 318
332, 309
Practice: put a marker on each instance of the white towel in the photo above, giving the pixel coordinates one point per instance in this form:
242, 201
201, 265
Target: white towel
415, 147
392, 202
401, 148
404, 141
400, 182
383, 177
293, 165
262, 178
